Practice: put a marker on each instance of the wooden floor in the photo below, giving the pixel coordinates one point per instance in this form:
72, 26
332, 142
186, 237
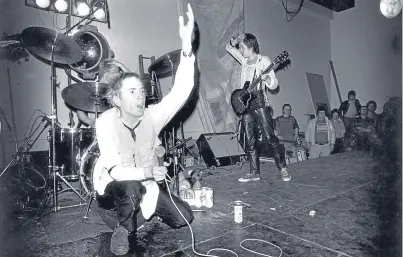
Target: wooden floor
355, 198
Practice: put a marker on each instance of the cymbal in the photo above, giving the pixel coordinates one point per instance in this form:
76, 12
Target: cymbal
39, 41
163, 65
87, 96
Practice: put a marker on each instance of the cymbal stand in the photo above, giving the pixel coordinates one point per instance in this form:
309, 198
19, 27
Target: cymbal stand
53, 169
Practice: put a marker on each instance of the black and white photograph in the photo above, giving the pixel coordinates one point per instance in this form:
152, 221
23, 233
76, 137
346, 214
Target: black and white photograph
216, 128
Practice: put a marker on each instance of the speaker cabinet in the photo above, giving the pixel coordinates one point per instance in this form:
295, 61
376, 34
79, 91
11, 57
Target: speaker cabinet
220, 149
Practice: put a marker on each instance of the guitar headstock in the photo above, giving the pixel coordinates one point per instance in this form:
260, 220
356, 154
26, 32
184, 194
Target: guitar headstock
281, 58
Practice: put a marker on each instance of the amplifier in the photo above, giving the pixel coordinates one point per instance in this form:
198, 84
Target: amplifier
220, 149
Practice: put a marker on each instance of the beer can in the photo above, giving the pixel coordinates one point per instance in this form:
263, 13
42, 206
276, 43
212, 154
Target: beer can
197, 197
203, 196
209, 197
238, 218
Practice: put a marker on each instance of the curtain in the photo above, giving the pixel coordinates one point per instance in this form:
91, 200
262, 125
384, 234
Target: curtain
218, 73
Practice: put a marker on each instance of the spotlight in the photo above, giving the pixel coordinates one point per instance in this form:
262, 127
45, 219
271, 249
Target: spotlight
83, 9
61, 5
99, 14
390, 8
43, 3
95, 48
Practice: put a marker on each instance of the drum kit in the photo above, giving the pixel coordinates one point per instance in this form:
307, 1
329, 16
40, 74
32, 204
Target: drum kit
73, 152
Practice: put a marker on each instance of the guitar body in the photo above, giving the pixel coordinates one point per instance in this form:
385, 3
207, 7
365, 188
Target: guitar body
240, 99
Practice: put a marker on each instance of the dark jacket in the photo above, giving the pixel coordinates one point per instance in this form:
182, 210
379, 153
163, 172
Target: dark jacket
345, 105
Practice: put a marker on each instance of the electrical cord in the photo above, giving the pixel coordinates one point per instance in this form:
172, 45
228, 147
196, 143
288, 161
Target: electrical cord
216, 249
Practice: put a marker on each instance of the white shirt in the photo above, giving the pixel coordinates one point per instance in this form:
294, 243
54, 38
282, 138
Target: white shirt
118, 150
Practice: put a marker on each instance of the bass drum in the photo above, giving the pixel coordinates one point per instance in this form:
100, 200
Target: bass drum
87, 165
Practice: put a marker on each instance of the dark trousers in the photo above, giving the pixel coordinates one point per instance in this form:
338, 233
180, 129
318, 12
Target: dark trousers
251, 121
338, 146
348, 122
125, 198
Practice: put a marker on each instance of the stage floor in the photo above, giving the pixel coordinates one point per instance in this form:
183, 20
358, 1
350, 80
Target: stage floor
356, 202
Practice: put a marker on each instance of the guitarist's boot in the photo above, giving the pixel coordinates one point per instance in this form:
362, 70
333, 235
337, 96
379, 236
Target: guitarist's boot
254, 174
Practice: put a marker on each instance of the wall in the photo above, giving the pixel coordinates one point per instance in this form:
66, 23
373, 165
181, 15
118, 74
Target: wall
363, 55
137, 27
306, 38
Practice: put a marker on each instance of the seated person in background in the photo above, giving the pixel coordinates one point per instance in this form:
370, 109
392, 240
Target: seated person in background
339, 130
320, 136
287, 129
109, 72
372, 115
364, 132
127, 171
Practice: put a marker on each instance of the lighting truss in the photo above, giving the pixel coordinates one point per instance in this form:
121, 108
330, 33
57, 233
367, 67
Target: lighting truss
94, 10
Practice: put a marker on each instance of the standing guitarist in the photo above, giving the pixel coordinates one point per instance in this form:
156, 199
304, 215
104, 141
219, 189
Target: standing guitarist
252, 66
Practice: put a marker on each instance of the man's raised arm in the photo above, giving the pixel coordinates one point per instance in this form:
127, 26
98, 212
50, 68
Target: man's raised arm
232, 50
164, 111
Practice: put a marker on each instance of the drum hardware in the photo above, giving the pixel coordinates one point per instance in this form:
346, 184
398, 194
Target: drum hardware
87, 96
52, 46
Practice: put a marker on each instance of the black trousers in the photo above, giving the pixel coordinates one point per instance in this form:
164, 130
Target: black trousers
251, 121
125, 198
338, 146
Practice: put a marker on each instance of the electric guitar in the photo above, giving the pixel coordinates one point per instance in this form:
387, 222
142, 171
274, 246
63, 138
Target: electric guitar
241, 98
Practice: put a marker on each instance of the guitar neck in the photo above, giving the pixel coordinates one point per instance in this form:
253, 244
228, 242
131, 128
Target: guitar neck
259, 79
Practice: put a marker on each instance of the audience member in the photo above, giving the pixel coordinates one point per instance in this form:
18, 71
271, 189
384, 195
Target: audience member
320, 135
372, 115
339, 130
364, 133
349, 109
287, 129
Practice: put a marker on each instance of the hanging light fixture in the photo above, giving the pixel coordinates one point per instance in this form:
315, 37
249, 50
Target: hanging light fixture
390, 8
99, 10
94, 10
61, 5
83, 8
43, 3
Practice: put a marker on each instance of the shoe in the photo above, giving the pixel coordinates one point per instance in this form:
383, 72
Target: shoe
249, 177
120, 241
285, 175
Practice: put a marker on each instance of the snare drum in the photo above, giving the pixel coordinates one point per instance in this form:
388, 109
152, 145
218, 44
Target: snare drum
69, 145
87, 165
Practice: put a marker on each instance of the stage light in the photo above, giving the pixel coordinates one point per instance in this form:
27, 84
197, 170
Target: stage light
61, 5
95, 48
83, 9
43, 3
390, 8
99, 14
92, 10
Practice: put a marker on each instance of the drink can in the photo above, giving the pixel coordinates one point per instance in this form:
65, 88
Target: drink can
197, 198
189, 196
238, 218
203, 196
209, 196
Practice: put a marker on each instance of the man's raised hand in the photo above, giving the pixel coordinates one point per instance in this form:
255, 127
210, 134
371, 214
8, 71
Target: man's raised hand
185, 31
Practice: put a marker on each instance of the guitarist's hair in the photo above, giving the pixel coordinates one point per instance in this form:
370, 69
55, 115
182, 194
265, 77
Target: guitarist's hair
251, 42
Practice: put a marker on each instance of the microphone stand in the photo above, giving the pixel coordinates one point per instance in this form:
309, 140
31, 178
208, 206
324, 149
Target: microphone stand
12, 109
21, 149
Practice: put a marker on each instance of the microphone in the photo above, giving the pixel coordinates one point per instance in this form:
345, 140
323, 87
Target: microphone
160, 153
49, 118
